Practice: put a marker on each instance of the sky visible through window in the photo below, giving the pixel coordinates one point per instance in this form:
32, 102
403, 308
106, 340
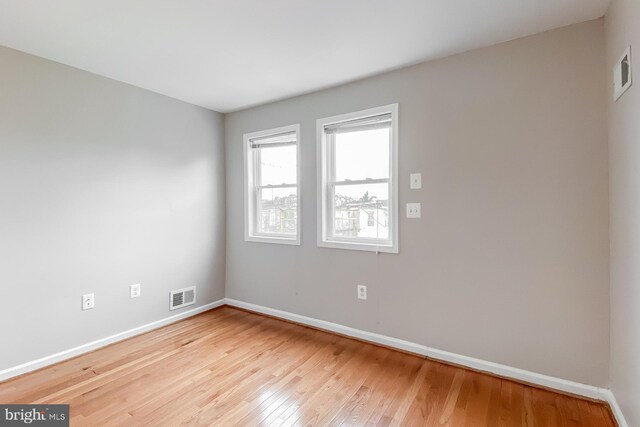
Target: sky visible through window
278, 165
362, 155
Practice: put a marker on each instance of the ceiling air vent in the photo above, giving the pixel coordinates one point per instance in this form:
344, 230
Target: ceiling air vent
182, 298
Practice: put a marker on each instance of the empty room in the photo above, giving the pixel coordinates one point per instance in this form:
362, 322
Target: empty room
320, 213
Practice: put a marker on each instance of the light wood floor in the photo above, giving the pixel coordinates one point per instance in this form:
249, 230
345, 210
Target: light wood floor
230, 367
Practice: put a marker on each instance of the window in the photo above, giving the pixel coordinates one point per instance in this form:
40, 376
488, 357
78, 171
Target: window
272, 190
357, 182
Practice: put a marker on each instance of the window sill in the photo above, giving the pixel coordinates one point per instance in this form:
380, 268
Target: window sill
367, 247
276, 240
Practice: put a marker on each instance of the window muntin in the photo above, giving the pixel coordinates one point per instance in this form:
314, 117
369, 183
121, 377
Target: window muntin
358, 180
272, 188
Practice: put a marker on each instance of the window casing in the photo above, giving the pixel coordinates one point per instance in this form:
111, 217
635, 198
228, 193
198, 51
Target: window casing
272, 185
358, 180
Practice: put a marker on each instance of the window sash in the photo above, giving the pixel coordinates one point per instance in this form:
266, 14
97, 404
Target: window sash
359, 181
331, 219
326, 129
330, 131
261, 187
257, 191
258, 214
254, 144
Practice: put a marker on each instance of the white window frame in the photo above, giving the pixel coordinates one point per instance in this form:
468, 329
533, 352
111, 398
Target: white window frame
251, 189
325, 171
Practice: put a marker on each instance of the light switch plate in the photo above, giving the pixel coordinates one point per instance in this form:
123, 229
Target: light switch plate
415, 180
135, 290
413, 210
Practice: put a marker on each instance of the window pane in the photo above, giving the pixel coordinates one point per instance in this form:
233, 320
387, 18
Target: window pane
277, 211
362, 211
362, 155
278, 165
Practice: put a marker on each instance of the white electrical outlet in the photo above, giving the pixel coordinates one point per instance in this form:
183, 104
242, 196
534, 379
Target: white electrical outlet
135, 291
88, 301
362, 292
413, 210
415, 181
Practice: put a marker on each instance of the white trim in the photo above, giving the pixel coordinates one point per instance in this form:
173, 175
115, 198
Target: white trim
336, 244
273, 239
249, 212
322, 172
546, 381
93, 345
579, 389
615, 408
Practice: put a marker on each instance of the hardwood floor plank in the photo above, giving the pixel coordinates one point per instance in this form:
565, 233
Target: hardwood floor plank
229, 367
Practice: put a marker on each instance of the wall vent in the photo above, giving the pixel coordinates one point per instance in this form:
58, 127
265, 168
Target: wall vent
182, 298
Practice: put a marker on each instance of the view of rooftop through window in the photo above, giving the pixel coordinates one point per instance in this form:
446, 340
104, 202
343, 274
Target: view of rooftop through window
277, 206
361, 209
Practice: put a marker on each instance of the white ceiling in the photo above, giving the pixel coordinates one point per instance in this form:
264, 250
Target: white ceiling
230, 54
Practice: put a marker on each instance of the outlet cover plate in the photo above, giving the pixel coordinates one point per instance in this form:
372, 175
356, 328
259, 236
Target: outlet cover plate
362, 292
88, 301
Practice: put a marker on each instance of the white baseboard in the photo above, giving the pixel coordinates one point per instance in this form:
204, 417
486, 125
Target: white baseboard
85, 348
615, 408
546, 381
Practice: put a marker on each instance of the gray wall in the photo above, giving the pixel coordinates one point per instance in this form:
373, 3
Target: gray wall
510, 260
102, 185
623, 29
